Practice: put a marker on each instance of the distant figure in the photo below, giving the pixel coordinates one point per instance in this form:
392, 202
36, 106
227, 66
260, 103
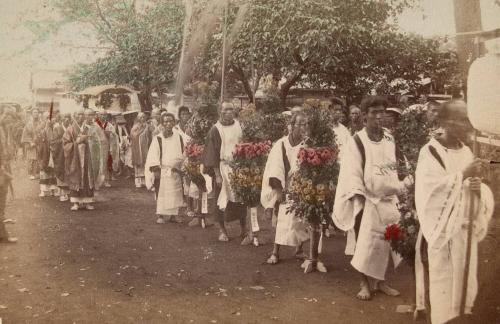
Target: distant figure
78, 164
6, 156
140, 136
45, 158
28, 140
342, 134
57, 151
356, 119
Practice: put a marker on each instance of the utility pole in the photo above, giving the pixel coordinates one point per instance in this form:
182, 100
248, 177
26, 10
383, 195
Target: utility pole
467, 19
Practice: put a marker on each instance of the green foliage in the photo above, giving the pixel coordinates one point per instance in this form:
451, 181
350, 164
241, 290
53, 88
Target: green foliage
320, 120
411, 134
144, 45
200, 123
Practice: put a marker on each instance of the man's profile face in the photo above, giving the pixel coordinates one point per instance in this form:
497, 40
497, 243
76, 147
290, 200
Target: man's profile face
375, 117
36, 114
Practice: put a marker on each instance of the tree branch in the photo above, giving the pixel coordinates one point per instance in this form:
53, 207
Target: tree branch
243, 78
101, 15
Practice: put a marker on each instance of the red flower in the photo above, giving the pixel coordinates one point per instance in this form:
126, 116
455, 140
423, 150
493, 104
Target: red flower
393, 232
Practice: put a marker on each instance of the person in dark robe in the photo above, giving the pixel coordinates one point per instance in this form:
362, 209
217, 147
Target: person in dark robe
217, 156
6, 156
45, 158
78, 166
57, 151
28, 141
140, 136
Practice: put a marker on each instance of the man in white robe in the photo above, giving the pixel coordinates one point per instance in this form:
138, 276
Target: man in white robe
447, 180
218, 154
282, 163
366, 198
342, 134
163, 164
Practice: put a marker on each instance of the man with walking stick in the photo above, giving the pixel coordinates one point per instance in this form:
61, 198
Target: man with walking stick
454, 208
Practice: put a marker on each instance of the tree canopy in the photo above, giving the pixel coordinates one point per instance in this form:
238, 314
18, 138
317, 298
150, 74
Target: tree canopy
349, 46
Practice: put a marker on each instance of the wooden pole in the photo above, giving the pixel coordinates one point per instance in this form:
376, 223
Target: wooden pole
224, 36
468, 251
467, 19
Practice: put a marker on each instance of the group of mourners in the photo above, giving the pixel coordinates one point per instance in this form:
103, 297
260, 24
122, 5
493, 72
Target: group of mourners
76, 154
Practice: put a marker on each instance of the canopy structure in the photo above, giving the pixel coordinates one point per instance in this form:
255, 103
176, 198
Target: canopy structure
97, 90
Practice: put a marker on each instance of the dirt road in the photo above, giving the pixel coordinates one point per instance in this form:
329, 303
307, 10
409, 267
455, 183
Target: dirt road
115, 265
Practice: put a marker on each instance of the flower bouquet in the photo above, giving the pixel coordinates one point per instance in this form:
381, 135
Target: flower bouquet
411, 134
403, 235
198, 127
312, 187
260, 130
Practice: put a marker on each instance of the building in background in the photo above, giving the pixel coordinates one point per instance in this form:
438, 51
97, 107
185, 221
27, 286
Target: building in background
47, 86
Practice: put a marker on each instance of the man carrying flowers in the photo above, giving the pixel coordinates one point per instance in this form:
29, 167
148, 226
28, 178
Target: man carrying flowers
366, 198
281, 164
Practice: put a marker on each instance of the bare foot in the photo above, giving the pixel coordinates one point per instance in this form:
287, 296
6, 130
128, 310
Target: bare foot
386, 289
364, 293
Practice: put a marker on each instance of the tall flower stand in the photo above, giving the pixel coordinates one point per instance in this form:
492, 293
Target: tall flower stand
252, 236
315, 246
200, 206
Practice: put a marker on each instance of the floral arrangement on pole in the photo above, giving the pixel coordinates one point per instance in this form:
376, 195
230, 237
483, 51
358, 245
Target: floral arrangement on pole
411, 134
204, 117
312, 187
260, 130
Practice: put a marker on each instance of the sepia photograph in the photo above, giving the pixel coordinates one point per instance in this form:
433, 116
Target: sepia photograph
250, 161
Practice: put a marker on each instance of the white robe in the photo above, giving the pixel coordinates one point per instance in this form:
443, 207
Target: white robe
442, 199
342, 136
290, 230
170, 194
378, 183
230, 136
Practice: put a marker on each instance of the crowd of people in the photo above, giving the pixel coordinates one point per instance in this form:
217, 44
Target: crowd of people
72, 156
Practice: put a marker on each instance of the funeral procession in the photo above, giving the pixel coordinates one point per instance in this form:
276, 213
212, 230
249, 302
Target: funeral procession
250, 161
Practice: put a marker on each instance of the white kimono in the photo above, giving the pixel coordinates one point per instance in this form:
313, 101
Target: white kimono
442, 199
342, 136
170, 194
230, 136
290, 230
378, 183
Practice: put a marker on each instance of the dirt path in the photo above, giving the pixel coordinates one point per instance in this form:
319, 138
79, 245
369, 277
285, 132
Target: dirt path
115, 265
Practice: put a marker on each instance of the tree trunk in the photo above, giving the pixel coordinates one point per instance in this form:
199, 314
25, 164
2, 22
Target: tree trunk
145, 100
285, 88
244, 80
